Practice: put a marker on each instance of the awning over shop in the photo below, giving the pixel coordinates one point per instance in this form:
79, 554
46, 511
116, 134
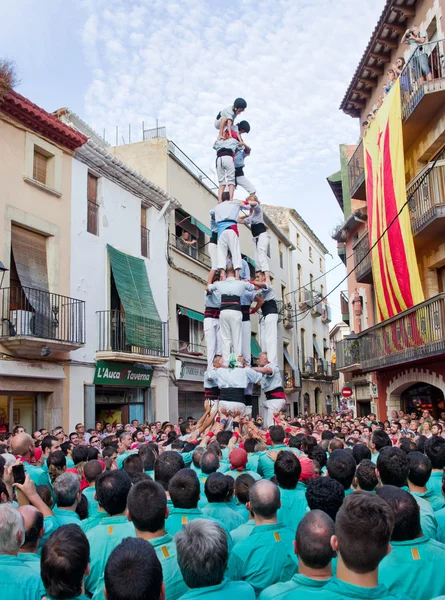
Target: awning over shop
143, 327
293, 366
191, 314
255, 348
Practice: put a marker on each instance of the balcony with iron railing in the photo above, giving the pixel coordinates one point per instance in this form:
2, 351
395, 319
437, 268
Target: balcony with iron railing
362, 259
422, 95
412, 335
356, 172
348, 354
426, 194
127, 337
188, 348
193, 252
318, 368
36, 322
326, 314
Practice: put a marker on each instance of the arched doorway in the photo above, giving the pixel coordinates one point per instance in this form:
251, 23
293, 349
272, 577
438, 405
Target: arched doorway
317, 394
306, 402
427, 388
423, 396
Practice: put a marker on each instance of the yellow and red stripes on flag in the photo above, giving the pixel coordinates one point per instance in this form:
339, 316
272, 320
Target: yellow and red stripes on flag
394, 265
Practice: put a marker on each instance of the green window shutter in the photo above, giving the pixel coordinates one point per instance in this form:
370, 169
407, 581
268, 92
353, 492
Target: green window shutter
143, 327
203, 228
254, 347
191, 314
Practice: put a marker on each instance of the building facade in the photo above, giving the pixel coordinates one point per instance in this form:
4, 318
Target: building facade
40, 321
401, 358
170, 168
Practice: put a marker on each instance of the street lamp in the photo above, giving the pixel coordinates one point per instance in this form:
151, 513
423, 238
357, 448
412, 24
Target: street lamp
3, 270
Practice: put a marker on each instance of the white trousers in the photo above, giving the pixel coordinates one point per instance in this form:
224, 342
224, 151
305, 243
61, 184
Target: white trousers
230, 327
269, 337
231, 407
261, 244
270, 407
245, 184
228, 240
213, 339
246, 333
213, 253
225, 169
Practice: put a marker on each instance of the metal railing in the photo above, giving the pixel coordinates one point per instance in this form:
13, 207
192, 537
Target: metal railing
145, 242
348, 353
414, 82
326, 313
305, 296
191, 251
188, 348
428, 199
316, 305
362, 257
356, 169
193, 168
154, 133
119, 332
414, 334
36, 313
317, 367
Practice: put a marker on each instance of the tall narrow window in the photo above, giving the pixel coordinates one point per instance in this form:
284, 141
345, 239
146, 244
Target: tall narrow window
93, 207
145, 234
40, 167
303, 347
310, 253
321, 264
299, 283
298, 240
280, 252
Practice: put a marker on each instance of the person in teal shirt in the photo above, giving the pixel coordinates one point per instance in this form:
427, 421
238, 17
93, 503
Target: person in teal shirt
266, 463
217, 491
112, 488
33, 524
253, 457
419, 473
147, 509
209, 464
184, 493
341, 466
92, 470
359, 556
393, 468
238, 464
67, 496
243, 483
435, 450
292, 492
265, 557
203, 557
415, 560
123, 448
91, 522
65, 558
314, 555
17, 579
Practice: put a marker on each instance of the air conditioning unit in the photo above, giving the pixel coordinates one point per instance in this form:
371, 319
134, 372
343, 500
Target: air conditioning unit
22, 321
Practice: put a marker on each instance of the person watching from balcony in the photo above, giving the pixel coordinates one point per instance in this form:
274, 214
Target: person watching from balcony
188, 244
415, 38
389, 82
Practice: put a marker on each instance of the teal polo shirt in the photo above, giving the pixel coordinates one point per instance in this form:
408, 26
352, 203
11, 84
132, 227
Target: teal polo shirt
428, 520
436, 502
336, 589
178, 517
298, 583
434, 483
92, 521
121, 457
374, 457
93, 505
165, 548
37, 474
242, 511
266, 465
253, 460
413, 568
223, 591
19, 581
66, 517
235, 473
221, 512
103, 539
31, 560
293, 506
69, 462
243, 531
81, 597
263, 558
151, 474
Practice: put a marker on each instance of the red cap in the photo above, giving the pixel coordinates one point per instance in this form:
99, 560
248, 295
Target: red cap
238, 458
307, 468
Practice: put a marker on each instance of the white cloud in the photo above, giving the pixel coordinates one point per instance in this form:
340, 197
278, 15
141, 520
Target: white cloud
182, 61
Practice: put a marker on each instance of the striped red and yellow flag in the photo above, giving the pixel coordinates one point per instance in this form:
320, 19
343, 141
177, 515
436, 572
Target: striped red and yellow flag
394, 264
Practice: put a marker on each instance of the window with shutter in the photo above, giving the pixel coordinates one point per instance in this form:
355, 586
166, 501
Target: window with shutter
145, 234
40, 167
93, 207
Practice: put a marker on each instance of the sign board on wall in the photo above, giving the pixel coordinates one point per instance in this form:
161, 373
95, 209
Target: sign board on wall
125, 374
363, 392
190, 371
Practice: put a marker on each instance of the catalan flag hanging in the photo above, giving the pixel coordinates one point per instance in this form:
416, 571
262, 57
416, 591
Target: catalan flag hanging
394, 265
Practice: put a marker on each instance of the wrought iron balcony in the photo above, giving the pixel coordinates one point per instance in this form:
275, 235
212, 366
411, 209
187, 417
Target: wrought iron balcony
348, 354
191, 251
32, 320
421, 94
189, 348
317, 305
326, 314
318, 368
412, 335
121, 334
356, 171
362, 259
305, 298
427, 204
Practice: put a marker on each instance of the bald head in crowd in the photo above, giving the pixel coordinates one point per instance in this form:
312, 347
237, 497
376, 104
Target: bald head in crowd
264, 499
22, 444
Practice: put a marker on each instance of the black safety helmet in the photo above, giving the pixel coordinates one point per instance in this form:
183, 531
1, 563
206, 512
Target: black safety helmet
244, 126
240, 103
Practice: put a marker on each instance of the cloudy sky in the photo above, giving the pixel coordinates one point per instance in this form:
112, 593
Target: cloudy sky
121, 62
